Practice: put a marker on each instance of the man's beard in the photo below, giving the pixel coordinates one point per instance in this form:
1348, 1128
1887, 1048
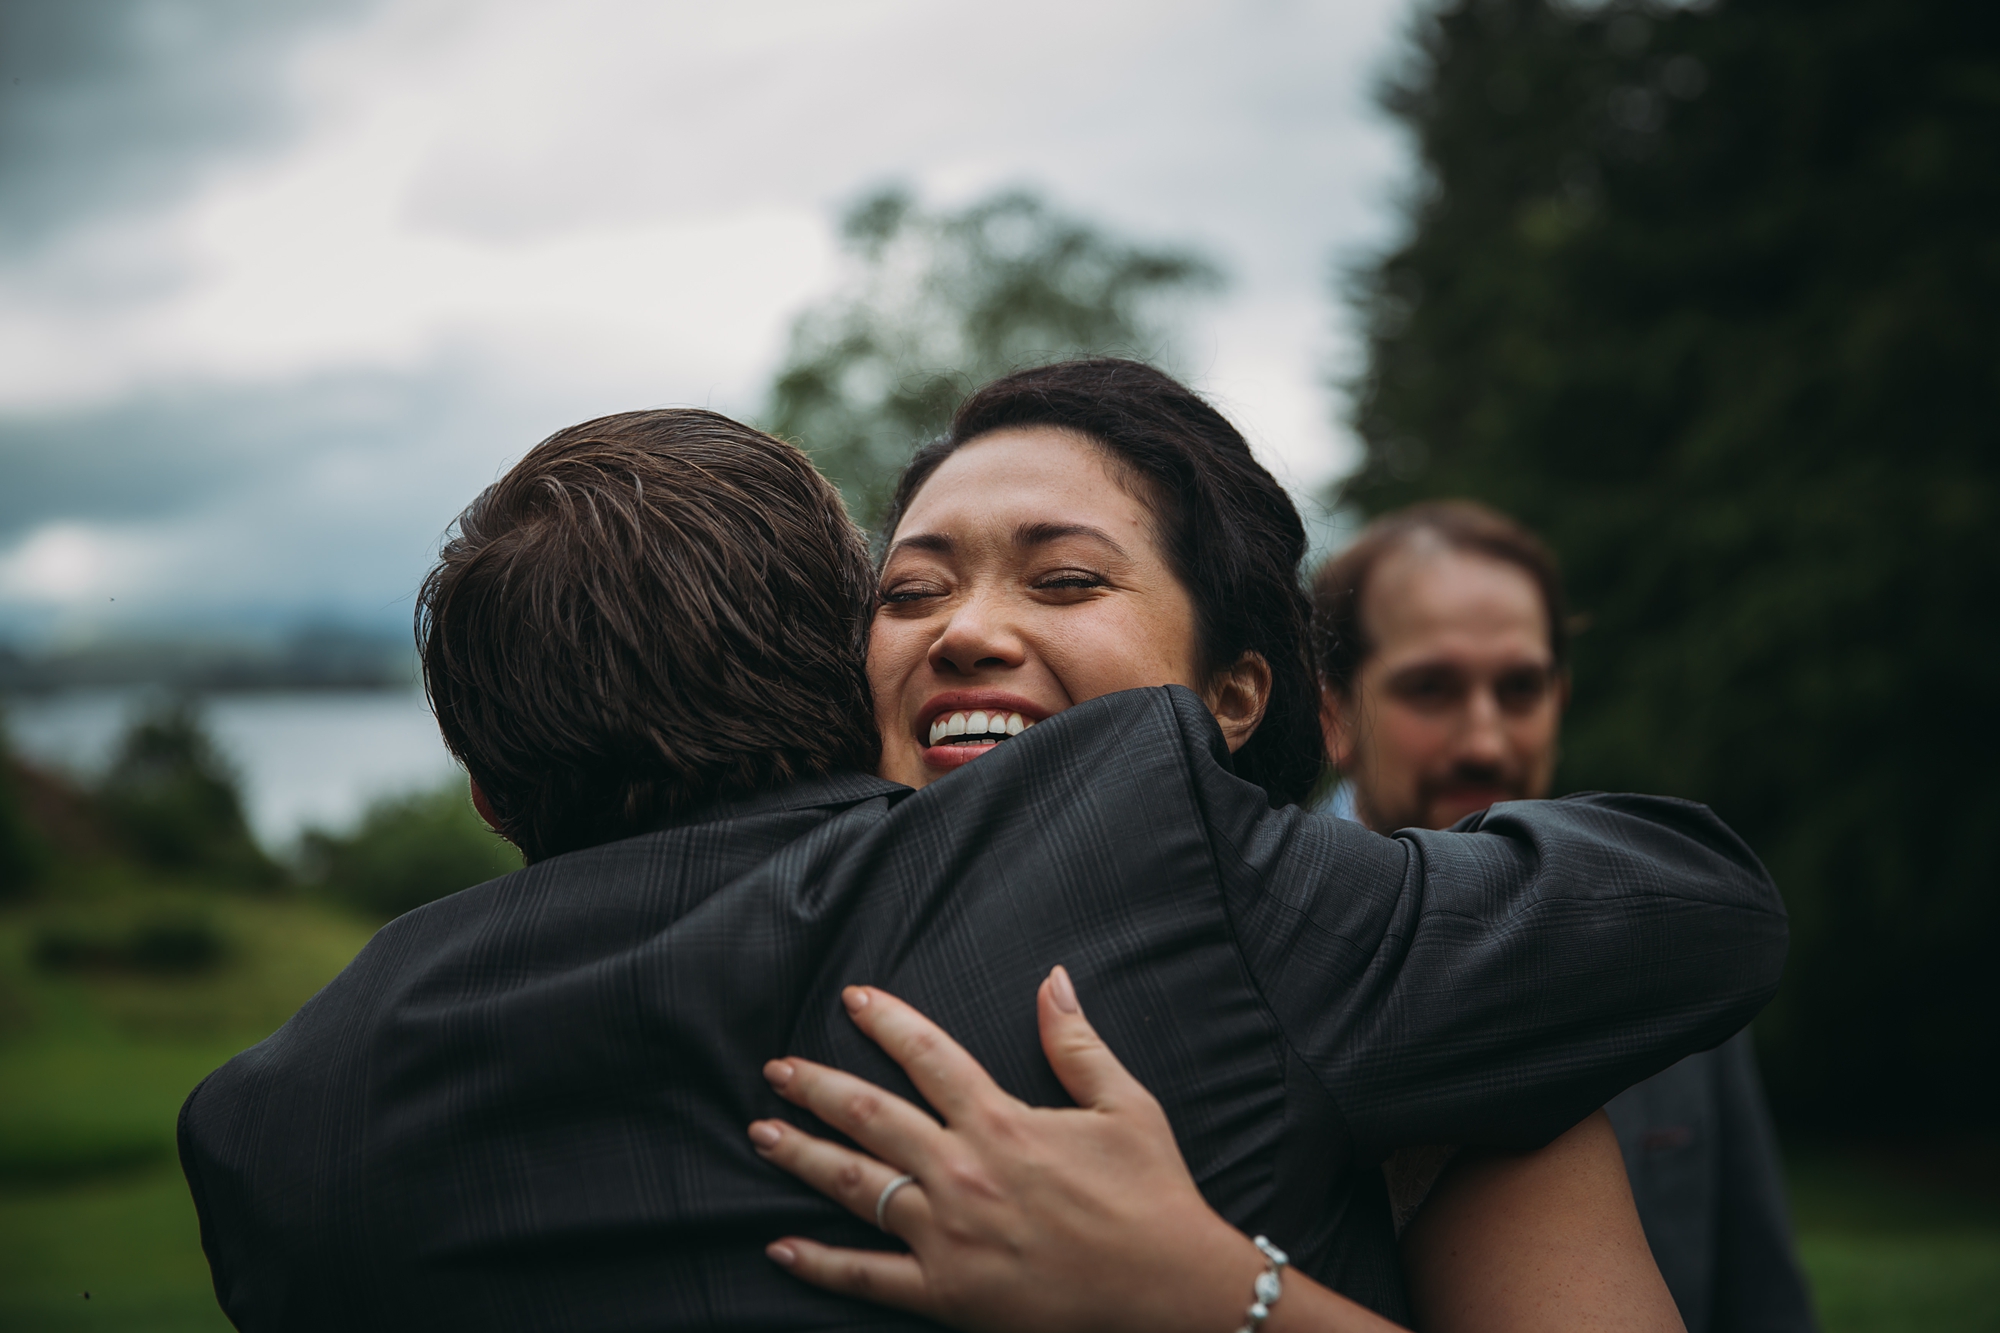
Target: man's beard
1479, 784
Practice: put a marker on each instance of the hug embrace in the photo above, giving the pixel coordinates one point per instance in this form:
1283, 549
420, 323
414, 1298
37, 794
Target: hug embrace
945, 942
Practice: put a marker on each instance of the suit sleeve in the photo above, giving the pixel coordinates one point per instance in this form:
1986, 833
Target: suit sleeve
1497, 983
1758, 1285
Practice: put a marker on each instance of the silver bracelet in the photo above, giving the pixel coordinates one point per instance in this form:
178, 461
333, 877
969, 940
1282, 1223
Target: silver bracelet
1269, 1286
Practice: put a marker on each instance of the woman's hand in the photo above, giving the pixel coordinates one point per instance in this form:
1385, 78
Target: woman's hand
1019, 1217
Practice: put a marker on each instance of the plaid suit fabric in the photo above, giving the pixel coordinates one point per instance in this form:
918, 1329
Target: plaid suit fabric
523, 1107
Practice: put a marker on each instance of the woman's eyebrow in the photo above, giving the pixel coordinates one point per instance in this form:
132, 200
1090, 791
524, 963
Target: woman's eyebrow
937, 543
1040, 534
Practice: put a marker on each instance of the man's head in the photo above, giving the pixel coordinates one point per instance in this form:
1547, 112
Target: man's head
648, 612
1443, 654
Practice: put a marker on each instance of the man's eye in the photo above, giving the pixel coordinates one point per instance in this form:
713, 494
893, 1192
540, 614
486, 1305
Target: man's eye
1520, 692
1429, 689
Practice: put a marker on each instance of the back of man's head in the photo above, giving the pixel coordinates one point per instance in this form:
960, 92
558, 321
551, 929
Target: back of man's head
650, 611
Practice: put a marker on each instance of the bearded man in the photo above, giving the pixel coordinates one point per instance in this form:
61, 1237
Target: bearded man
1443, 646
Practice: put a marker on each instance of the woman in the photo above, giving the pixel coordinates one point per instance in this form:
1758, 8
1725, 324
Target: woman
1086, 528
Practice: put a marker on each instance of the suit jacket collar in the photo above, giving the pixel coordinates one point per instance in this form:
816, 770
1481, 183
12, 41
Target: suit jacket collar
829, 791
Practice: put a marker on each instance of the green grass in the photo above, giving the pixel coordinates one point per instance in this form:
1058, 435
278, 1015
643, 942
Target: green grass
1896, 1241
130, 1241
93, 1067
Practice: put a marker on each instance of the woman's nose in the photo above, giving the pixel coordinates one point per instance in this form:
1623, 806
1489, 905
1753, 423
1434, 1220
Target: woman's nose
976, 640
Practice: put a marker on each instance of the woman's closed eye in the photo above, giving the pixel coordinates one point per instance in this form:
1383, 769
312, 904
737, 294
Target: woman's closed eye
905, 591
1070, 580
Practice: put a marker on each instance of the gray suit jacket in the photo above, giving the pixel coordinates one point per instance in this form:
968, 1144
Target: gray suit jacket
523, 1106
1704, 1167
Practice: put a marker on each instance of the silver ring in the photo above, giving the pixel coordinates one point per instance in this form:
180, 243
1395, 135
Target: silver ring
889, 1192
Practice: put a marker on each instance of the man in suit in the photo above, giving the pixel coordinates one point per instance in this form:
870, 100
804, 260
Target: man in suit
524, 1106
1443, 651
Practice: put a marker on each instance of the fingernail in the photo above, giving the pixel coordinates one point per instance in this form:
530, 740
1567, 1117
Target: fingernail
765, 1134
781, 1254
778, 1073
855, 998
1061, 991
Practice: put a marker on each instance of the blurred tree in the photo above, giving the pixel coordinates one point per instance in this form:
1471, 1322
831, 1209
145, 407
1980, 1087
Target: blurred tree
24, 853
1710, 296
407, 851
937, 304
173, 801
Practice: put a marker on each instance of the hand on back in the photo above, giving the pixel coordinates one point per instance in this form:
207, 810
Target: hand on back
1020, 1217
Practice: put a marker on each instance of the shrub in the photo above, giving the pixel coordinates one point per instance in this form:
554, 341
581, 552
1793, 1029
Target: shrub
160, 943
407, 851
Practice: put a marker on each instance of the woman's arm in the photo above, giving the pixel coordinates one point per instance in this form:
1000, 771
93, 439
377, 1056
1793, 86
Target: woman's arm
1532, 1241
1024, 1218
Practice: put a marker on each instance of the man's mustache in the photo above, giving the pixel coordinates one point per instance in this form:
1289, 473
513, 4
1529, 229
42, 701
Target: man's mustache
1481, 778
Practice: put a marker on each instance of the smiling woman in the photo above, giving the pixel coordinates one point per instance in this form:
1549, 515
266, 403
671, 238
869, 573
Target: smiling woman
1084, 528
985, 608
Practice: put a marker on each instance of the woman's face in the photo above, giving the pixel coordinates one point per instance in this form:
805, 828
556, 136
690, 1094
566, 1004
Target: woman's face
1024, 578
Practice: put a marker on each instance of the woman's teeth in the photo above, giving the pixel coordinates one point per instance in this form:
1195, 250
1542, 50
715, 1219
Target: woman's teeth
977, 728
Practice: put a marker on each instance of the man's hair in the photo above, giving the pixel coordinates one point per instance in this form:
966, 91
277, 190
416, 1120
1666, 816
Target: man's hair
1228, 530
648, 612
1340, 634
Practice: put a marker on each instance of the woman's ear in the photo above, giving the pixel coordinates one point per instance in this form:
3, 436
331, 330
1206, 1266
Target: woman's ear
1238, 696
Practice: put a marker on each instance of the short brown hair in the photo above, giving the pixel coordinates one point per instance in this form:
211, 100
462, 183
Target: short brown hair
648, 612
1340, 635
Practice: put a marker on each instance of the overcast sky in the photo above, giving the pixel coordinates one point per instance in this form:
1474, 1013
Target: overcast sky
283, 285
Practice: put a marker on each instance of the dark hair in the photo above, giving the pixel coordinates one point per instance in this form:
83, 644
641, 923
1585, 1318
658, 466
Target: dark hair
1340, 637
649, 611
1227, 528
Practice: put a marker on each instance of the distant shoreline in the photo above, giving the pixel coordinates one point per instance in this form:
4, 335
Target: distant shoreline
305, 660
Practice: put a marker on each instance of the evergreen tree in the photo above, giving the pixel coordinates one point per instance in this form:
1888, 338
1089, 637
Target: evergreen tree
174, 801
1710, 297
937, 304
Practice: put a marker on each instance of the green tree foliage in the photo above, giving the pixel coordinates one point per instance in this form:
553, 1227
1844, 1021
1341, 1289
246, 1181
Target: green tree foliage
938, 303
173, 802
1711, 297
407, 851
24, 854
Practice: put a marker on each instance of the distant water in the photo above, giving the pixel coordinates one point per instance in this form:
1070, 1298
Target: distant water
309, 758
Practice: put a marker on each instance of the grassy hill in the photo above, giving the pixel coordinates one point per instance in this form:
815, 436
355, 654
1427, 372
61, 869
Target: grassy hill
94, 1064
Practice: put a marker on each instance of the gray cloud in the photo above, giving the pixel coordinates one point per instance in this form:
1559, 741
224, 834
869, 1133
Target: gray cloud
169, 451
108, 105
320, 498
253, 489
